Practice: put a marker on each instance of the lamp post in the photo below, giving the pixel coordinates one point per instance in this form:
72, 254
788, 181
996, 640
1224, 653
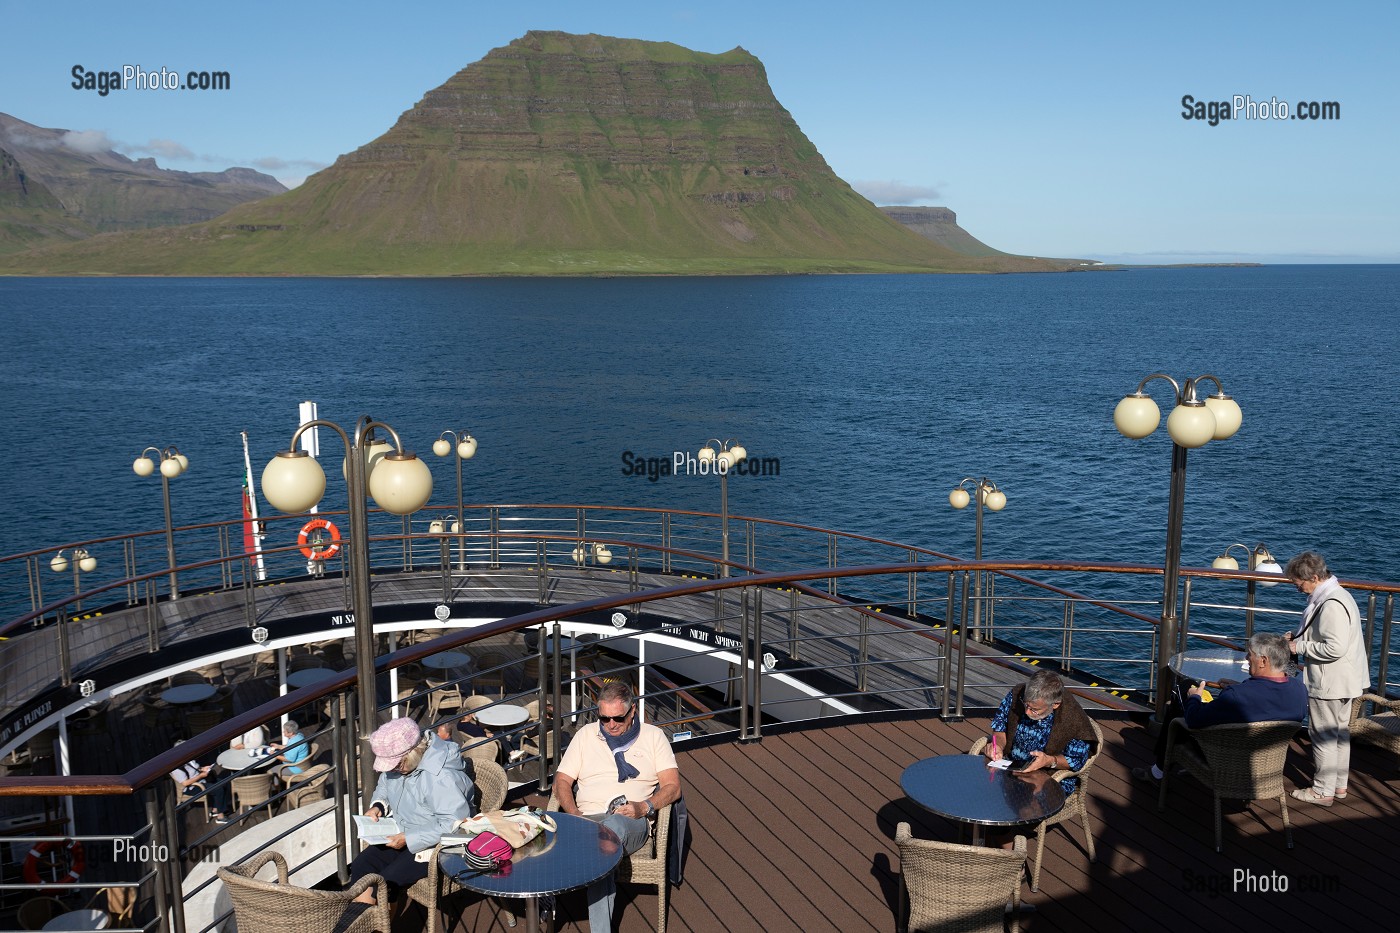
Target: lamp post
987, 494
1192, 423
1259, 559
465, 446
400, 483
729, 454
82, 562
172, 464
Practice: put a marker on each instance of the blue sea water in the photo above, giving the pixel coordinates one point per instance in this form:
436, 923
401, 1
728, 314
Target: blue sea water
877, 394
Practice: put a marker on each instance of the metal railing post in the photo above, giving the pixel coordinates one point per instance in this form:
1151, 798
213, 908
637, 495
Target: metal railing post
157, 868
1067, 637
665, 542
794, 629
65, 663
445, 561
831, 562
962, 648
495, 539
1386, 627
912, 596
542, 572
863, 652
171, 835
1184, 625
947, 646
758, 671
341, 768
745, 665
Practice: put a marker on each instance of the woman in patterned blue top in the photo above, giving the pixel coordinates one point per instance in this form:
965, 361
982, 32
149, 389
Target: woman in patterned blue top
1048, 728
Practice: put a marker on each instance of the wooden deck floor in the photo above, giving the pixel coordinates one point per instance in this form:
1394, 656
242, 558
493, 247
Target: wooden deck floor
797, 833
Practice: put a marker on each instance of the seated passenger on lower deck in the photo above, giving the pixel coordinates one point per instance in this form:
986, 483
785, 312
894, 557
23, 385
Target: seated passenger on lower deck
1048, 729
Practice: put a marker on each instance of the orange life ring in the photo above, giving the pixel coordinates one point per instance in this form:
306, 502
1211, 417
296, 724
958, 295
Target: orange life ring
325, 553
76, 864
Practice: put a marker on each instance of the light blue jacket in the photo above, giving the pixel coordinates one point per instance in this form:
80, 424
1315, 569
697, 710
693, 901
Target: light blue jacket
428, 801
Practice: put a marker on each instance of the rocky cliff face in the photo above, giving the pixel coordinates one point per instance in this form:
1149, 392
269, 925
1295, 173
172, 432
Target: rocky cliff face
99, 191
562, 154
941, 226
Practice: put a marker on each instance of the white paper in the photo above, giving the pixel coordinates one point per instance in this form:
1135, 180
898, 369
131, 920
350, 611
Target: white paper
1002, 763
375, 833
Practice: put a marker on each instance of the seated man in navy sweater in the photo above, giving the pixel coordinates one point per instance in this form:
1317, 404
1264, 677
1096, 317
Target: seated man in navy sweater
1269, 694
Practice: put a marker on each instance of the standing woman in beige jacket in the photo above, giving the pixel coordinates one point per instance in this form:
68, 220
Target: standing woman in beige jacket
1331, 647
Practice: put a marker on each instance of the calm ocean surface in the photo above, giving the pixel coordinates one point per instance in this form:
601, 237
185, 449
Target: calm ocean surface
877, 393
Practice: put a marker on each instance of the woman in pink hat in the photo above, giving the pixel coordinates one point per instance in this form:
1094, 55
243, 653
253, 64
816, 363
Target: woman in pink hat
425, 788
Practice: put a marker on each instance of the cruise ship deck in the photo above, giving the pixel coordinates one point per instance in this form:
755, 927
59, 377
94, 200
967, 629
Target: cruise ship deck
793, 797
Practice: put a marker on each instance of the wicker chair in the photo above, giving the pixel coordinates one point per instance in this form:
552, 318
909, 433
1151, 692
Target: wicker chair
279, 907
1238, 761
202, 720
446, 696
1381, 729
306, 787
37, 911
491, 786
948, 886
252, 791
649, 865
494, 675
1074, 803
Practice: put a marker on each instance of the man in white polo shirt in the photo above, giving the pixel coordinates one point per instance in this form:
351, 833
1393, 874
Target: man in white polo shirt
625, 772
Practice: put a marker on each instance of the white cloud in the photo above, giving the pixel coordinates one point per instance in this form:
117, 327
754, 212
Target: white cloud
168, 149
896, 192
88, 141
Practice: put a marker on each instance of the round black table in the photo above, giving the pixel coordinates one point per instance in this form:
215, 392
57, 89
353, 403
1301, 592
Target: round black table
577, 853
1212, 665
965, 789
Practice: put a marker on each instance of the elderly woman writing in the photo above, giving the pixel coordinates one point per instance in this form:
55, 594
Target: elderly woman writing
1039, 726
425, 788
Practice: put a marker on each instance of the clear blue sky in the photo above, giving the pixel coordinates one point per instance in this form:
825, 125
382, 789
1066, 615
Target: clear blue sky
1052, 129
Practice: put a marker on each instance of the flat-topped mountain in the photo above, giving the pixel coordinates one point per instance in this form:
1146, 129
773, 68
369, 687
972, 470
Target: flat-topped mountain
55, 185
558, 154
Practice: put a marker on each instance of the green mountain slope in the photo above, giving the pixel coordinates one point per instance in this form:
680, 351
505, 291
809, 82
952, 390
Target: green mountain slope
557, 154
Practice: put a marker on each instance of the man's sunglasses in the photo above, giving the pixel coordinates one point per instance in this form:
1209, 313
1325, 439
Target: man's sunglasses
622, 718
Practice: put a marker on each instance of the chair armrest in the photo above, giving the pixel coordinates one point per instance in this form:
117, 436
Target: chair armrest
1377, 699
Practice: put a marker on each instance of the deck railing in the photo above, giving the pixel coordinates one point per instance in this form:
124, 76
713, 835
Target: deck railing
721, 658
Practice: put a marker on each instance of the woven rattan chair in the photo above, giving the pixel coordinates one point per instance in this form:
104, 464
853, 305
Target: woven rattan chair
306, 787
948, 886
649, 865
445, 698
1074, 803
37, 911
1379, 728
493, 673
202, 720
279, 907
491, 786
252, 791
1237, 761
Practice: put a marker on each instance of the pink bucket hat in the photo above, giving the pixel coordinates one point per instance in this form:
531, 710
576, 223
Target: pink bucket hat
392, 741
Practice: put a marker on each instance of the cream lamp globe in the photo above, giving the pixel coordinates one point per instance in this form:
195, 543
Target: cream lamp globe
442, 447
1191, 426
996, 500
1264, 563
706, 454
1228, 416
601, 554
1225, 562
59, 563
467, 449
376, 451
170, 468
959, 498
401, 483
143, 466
1136, 416
725, 460
87, 563
739, 453
293, 481
183, 461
